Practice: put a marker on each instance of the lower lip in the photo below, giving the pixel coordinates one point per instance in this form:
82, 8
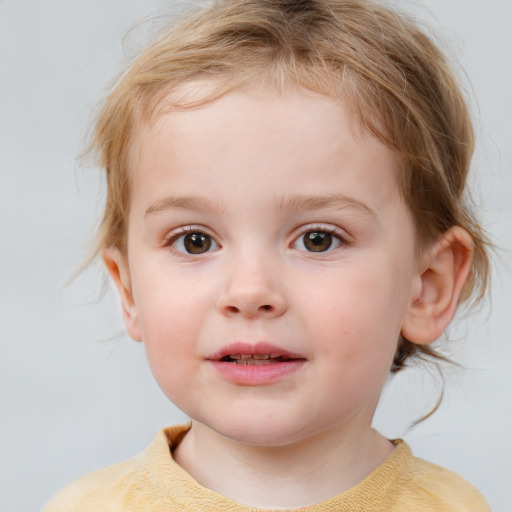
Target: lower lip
257, 374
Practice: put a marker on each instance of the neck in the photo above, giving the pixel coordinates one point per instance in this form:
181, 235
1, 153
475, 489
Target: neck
291, 476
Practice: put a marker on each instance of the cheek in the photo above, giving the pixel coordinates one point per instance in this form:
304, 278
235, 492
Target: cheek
358, 316
170, 329
168, 305
169, 342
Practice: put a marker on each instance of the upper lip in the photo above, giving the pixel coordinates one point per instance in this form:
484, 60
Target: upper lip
260, 348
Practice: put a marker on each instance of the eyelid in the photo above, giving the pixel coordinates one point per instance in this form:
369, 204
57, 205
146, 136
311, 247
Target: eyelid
172, 237
333, 230
325, 227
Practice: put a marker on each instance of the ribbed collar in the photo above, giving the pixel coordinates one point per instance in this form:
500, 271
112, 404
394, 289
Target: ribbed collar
175, 487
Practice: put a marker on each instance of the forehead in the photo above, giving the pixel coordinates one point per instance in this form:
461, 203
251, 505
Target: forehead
188, 120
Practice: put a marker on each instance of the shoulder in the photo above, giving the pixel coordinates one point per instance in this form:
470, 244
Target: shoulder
127, 483
93, 489
438, 488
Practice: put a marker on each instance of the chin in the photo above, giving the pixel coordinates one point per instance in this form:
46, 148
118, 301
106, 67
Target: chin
259, 432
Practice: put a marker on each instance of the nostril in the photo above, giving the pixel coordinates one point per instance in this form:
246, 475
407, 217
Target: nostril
251, 304
236, 310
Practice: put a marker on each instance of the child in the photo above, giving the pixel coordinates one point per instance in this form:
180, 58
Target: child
285, 225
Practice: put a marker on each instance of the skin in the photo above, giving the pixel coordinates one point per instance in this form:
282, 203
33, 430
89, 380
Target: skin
242, 171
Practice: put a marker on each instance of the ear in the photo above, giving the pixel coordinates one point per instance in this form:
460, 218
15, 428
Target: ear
445, 269
117, 267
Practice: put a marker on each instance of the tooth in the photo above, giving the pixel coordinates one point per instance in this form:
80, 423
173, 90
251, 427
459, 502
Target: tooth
241, 361
274, 356
235, 356
245, 356
261, 356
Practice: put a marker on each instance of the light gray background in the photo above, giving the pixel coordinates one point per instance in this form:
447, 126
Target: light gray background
72, 398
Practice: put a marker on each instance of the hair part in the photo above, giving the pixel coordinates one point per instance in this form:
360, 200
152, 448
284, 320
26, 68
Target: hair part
395, 81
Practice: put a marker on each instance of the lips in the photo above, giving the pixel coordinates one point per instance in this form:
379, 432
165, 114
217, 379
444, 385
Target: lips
255, 364
259, 353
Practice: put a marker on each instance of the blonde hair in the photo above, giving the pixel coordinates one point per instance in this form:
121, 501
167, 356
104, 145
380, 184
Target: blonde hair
396, 82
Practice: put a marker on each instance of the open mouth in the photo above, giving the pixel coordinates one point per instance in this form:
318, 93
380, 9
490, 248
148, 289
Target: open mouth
253, 359
255, 364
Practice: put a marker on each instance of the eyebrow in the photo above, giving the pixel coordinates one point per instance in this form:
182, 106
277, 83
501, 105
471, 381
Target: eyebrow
183, 203
314, 202
284, 204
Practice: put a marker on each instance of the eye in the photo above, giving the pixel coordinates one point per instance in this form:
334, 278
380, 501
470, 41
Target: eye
318, 240
193, 242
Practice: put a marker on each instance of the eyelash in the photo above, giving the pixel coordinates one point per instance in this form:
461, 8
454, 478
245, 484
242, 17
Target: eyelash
322, 229
182, 232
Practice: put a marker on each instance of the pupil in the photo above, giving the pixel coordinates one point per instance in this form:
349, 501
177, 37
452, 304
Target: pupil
317, 242
197, 243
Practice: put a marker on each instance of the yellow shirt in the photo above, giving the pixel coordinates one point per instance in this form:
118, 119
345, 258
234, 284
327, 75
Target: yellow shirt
153, 482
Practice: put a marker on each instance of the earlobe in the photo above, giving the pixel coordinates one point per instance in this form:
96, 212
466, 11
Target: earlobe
117, 267
445, 270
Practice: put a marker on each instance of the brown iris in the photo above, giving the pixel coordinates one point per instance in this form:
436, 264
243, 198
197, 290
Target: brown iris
197, 243
317, 241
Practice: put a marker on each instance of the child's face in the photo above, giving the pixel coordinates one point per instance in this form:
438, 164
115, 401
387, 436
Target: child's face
264, 225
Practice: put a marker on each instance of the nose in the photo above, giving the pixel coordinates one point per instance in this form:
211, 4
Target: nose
252, 289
